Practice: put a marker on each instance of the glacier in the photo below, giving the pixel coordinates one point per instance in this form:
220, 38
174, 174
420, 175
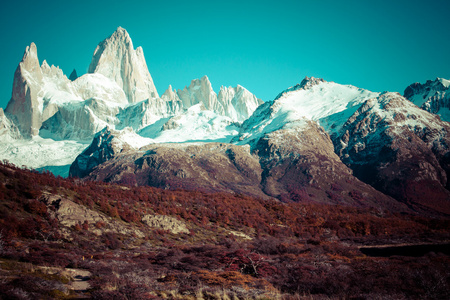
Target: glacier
50, 118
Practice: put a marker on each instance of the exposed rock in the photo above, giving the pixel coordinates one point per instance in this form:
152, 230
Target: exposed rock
299, 164
45, 102
69, 213
306, 83
399, 149
8, 129
211, 167
294, 163
73, 76
168, 223
148, 112
432, 96
35, 90
104, 146
200, 91
236, 103
24, 103
170, 95
116, 58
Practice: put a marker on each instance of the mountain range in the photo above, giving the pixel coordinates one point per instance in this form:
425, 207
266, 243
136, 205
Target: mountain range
317, 141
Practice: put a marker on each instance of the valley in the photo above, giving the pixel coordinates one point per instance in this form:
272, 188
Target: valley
233, 245
111, 190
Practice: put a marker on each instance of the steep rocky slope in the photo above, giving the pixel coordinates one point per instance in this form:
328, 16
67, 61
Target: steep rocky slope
432, 96
380, 143
399, 149
299, 164
34, 88
309, 144
118, 92
295, 163
117, 59
208, 167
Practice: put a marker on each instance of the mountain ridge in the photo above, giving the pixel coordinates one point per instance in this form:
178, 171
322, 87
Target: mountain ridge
308, 144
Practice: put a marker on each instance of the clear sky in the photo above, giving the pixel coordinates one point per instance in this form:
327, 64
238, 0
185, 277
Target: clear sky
265, 46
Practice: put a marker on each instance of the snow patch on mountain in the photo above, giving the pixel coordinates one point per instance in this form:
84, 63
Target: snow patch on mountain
100, 87
197, 124
328, 103
432, 96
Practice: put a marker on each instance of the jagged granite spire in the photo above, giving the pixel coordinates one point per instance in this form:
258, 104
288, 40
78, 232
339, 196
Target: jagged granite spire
73, 76
24, 104
199, 91
116, 59
238, 102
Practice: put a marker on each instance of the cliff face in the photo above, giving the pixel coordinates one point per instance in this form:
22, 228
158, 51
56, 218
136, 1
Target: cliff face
431, 96
116, 59
363, 149
399, 149
24, 103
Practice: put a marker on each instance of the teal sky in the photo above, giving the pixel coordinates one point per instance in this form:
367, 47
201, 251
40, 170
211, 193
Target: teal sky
265, 46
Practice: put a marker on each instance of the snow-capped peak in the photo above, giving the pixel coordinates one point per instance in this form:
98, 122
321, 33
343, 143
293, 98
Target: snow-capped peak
202, 83
199, 91
52, 108
328, 103
116, 59
306, 83
432, 96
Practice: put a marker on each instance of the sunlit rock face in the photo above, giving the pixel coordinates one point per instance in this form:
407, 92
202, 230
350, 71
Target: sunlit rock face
116, 59
236, 103
32, 92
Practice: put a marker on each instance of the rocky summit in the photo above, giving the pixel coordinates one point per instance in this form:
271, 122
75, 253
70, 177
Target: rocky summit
116, 59
316, 142
432, 96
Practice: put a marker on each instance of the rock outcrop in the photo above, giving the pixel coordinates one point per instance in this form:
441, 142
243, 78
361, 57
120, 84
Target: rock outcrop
399, 149
8, 129
116, 59
24, 103
118, 91
295, 163
73, 76
210, 167
299, 164
236, 103
167, 223
106, 144
70, 214
432, 96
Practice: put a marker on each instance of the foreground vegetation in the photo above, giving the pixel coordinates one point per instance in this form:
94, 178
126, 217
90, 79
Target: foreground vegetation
235, 246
